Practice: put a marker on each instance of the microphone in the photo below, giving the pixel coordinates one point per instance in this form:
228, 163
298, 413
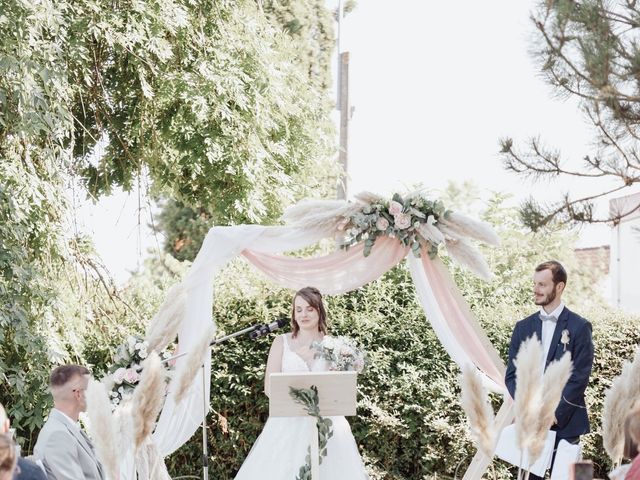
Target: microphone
267, 328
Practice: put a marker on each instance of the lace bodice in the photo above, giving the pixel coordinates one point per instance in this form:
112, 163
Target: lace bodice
292, 362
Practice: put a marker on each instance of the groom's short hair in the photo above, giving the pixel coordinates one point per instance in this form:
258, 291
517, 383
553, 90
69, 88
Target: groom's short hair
558, 272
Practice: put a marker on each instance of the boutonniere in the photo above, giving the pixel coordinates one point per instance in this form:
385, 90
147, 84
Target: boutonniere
564, 340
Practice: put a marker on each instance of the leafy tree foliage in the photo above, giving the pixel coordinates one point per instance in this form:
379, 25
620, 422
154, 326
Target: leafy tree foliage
587, 50
205, 98
310, 27
30, 255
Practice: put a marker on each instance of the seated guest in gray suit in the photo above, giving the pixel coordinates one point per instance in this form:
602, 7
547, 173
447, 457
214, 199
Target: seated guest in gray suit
26, 469
65, 450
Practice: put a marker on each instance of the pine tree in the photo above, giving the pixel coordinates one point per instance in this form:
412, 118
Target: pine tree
587, 50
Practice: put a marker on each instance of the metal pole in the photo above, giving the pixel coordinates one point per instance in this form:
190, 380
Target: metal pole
345, 114
205, 408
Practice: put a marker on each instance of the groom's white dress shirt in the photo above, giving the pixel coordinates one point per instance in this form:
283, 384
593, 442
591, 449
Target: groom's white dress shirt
548, 328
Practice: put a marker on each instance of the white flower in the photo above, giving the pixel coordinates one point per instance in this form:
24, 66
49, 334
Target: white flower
382, 224
138, 346
564, 340
118, 375
402, 221
120, 390
395, 208
142, 354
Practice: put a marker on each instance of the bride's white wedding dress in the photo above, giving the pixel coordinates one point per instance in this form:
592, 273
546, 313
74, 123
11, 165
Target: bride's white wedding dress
281, 448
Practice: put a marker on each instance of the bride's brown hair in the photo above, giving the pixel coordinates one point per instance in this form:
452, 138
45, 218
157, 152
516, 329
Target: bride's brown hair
314, 298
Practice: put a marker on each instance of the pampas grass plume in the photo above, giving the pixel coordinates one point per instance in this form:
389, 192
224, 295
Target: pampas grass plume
148, 398
618, 402
555, 378
466, 255
529, 391
475, 403
103, 427
324, 215
164, 325
124, 427
471, 228
188, 367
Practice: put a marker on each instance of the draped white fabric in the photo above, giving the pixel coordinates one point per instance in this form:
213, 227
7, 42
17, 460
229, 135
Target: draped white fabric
178, 423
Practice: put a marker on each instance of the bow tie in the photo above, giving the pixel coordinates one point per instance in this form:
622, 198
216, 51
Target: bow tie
548, 318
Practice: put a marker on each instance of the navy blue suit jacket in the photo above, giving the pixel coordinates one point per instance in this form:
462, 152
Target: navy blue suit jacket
571, 413
29, 471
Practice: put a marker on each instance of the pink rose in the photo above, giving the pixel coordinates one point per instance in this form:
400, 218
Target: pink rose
118, 375
382, 224
402, 221
131, 376
395, 208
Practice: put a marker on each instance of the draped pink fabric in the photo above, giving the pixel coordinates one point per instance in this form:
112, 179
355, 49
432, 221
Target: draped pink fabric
460, 320
342, 271
338, 272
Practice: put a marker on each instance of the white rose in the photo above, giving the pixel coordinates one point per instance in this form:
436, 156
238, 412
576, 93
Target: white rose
142, 354
402, 221
382, 224
118, 375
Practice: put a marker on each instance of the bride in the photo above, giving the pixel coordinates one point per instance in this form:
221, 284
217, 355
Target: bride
281, 448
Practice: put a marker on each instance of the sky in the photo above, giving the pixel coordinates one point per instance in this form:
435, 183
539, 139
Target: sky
434, 86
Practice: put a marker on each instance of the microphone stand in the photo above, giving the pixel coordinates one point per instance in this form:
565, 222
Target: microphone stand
205, 405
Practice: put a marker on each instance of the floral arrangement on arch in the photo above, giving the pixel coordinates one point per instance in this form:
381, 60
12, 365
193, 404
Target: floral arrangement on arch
418, 222
125, 371
409, 219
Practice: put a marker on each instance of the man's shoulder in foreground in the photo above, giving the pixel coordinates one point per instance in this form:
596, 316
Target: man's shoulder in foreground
29, 470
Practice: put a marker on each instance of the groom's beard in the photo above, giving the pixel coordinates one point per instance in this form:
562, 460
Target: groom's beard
547, 299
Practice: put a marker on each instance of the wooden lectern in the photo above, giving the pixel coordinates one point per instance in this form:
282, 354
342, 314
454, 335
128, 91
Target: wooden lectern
337, 397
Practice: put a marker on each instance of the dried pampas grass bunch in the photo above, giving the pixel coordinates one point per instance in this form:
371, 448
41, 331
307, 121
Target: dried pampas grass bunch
555, 378
148, 398
468, 227
475, 403
468, 256
163, 328
149, 464
323, 215
618, 402
103, 427
528, 397
188, 367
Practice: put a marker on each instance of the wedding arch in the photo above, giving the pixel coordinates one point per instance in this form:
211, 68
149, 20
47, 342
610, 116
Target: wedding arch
374, 234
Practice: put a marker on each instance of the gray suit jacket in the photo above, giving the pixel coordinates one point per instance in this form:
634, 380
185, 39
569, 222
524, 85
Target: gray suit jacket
64, 451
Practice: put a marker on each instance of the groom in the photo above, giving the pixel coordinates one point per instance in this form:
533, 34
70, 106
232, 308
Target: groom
560, 330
